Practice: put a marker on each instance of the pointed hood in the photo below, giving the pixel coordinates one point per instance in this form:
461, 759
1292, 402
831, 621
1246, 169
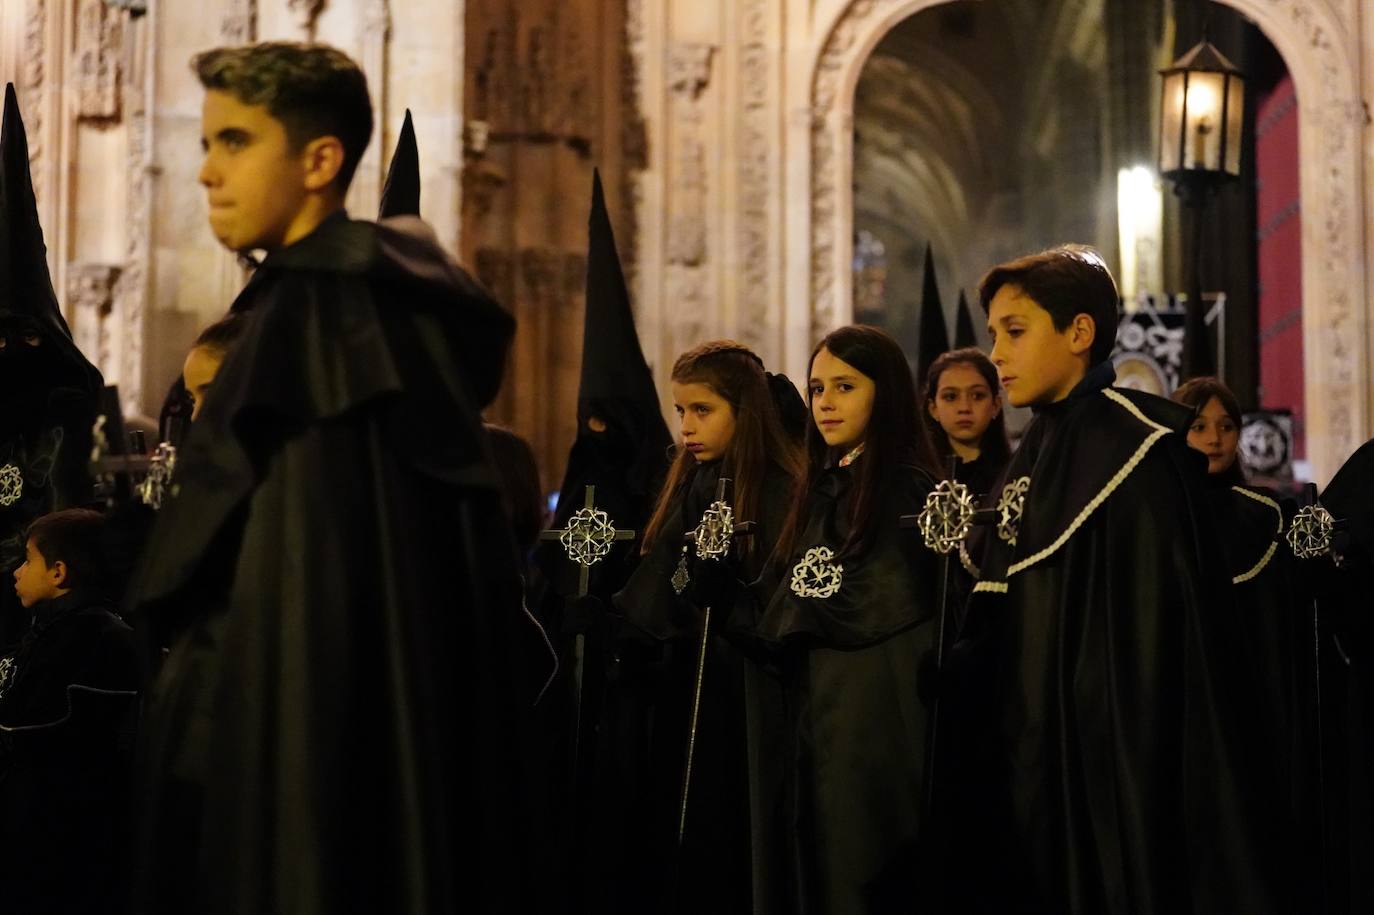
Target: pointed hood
28, 303
616, 385
934, 335
964, 334
401, 193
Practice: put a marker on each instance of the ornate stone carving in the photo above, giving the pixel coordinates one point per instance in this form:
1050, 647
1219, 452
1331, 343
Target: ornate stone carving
687, 225
90, 298
239, 24
756, 138
99, 43
689, 69
130, 287
496, 271
304, 13
33, 75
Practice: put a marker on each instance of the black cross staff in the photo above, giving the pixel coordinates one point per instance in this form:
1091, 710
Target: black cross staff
944, 522
713, 537
587, 539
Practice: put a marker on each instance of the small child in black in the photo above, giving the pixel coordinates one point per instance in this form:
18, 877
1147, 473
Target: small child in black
68, 693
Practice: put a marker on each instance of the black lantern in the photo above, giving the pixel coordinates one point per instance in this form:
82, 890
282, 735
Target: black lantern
1202, 110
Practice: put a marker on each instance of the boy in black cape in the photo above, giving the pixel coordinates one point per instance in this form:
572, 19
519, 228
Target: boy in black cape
68, 698
1101, 759
48, 390
335, 726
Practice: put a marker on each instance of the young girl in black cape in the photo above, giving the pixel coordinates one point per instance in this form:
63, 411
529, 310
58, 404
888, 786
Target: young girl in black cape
734, 419
854, 617
963, 411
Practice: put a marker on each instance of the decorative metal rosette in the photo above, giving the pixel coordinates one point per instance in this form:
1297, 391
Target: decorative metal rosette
1309, 536
588, 537
11, 485
158, 482
947, 516
1009, 508
716, 532
816, 575
681, 577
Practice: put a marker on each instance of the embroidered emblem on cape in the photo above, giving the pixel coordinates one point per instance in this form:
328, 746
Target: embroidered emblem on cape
716, 532
1009, 508
6, 674
11, 485
947, 516
588, 537
681, 578
816, 575
1309, 536
158, 483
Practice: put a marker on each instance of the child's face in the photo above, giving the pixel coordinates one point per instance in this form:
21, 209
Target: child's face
1214, 433
841, 400
35, 580
1036, 363
255, 184
707, 421
964, 405
201, 366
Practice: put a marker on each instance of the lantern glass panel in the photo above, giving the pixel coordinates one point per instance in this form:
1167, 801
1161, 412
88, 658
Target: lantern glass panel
1203, 127
1235, 119
1171, 122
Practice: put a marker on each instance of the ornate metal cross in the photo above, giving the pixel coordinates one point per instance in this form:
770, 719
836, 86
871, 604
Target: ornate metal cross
587, 538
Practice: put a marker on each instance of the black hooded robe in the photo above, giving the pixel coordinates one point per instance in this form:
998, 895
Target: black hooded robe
855, 748
335, 728
48, 391
1104, 754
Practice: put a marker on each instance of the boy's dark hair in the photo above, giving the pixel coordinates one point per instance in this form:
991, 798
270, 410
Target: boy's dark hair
223, 334
73, 537
1065, 281
312, 89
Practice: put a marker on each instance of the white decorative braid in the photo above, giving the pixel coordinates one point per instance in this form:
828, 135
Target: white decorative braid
966, 560
1269, 553
996, 587
1117, 479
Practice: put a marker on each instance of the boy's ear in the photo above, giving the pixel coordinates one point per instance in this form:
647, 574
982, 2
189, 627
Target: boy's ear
324, 159
1082, 331
57, 573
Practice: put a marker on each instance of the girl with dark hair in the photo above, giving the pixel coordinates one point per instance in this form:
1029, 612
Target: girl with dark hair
1267, 584
852, 621
731, 421
965, 418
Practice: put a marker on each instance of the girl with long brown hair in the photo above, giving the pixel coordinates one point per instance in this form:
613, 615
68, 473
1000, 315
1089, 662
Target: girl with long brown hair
732, 417
853, 619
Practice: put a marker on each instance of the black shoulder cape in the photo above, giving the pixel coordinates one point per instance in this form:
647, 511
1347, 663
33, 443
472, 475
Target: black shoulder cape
338, 716
1105, 752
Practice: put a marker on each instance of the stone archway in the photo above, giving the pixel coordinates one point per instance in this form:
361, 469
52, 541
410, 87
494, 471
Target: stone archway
1322, 56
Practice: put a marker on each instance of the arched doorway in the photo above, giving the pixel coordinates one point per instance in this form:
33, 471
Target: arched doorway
1336, 329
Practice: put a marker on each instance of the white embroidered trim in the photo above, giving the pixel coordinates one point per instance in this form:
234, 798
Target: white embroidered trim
966, 560
1112, 484
816, 575
996, 587
1269, 553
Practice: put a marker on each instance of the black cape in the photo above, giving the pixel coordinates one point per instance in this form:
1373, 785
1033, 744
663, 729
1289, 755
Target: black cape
68, 703
855, 749
731, 855
336, 726
1103, 755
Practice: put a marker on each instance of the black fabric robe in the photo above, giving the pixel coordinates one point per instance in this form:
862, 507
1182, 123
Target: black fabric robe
981, 475
68, 704
1106, 749
337, 725
724, 864
855, 749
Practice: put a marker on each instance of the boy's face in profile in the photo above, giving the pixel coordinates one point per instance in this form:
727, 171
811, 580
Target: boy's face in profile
1036, 363
35, 580
255, 183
